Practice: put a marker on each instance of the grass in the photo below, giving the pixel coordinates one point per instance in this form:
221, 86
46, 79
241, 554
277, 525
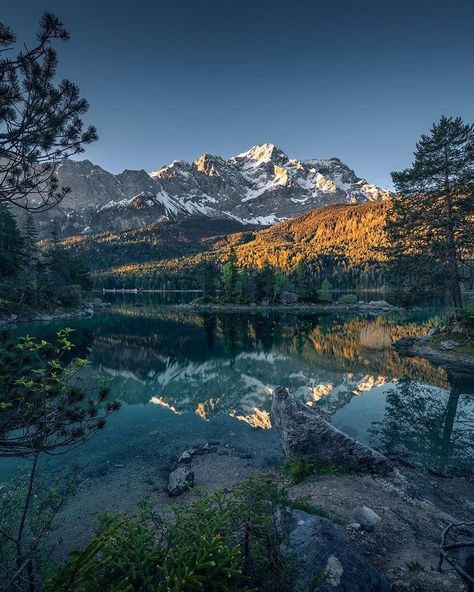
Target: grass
414, 565
464, 344
299, 470
304, 505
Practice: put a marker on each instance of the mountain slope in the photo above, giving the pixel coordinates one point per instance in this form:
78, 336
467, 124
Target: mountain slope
344, 237
261, 186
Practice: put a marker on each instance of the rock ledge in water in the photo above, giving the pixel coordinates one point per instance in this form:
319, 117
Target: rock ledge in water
308, 433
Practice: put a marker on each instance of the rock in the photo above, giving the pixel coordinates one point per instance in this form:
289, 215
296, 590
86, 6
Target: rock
180, 480
328, 561
185, 457
305, 432
380, 304
366, 517
469, 504
448, 345
354, 526
433, 331
245, 455
406, 342
289, 297
118, 466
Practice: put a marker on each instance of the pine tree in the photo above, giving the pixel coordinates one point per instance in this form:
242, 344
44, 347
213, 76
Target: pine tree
431, 227
40, 121
30, 239
230, 276
11, 245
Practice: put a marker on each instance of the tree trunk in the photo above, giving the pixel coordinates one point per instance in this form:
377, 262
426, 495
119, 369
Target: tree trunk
451, 251
446, 446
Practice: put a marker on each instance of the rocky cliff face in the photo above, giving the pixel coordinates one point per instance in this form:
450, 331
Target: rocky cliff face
261, 186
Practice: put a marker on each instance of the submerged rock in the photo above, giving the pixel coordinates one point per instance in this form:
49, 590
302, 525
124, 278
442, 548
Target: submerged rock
180, 480
328, 562
305, 432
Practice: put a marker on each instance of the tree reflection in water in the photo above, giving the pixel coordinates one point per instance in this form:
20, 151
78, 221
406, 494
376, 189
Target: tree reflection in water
433, 427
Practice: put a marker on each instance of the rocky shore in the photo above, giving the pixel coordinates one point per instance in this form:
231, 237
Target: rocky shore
375, 307
369, 527
85, 310
451, 347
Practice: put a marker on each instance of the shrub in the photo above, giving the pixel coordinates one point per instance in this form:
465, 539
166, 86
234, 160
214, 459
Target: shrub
70, 295
467, 317
348, 299
217, 543
300, 469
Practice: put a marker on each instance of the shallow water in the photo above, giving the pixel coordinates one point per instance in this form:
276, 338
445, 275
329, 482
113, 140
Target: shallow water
185, 378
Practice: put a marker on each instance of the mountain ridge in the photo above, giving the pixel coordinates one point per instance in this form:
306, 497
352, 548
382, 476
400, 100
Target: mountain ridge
261, 186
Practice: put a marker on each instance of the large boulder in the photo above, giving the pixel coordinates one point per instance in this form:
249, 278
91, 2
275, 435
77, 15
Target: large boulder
328, 562
180, 480
289, 297
308, 433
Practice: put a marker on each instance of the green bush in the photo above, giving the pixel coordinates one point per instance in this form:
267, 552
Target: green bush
299, 470
217, 543
70, 295
348, 299
467, 317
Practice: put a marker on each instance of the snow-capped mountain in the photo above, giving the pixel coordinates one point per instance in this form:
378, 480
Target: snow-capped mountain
261, 186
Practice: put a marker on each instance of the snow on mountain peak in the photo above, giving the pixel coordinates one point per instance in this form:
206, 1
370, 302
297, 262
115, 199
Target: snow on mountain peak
260, 186
261, 153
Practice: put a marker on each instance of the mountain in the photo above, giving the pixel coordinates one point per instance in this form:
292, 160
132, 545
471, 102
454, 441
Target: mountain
261, 186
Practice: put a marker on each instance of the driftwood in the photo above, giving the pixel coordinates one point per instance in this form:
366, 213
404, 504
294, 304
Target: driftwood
445, 547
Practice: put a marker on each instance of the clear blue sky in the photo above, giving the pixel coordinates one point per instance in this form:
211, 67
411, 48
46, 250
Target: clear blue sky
356, 79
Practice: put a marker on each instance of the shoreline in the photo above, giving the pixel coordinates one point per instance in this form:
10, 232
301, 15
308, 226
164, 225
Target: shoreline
84, 311
375, 308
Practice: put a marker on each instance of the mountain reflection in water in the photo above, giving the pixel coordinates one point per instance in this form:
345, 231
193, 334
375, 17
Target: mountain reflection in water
228, 364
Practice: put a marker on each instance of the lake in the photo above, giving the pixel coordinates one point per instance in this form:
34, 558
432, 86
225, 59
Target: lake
185, 378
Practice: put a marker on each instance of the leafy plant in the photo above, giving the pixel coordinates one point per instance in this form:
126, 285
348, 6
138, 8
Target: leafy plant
47, 500
217, 543
44, 409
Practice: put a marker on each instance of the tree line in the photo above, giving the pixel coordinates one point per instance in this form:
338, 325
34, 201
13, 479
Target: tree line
35, 279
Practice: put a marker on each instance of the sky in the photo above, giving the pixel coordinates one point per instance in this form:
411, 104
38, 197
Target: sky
355, 79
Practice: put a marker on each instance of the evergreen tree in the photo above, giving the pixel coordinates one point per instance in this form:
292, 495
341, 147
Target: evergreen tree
11, 245
208, 274
230, 276
280, 283
40, 121
30, 238
430, 230
325, 291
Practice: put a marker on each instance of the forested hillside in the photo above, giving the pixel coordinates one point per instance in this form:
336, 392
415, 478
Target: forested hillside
342, 243
164, 240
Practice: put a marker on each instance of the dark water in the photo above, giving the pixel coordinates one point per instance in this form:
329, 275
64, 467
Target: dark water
185, 378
